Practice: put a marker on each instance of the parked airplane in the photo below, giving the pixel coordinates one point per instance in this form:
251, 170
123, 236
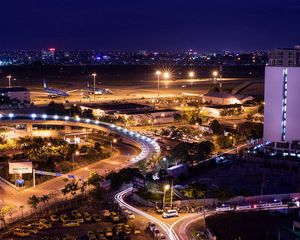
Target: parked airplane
98, 91
55, 92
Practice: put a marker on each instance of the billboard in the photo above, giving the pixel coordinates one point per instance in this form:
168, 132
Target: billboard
20, 167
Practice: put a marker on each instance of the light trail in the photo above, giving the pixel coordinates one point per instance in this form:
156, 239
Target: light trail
119, 198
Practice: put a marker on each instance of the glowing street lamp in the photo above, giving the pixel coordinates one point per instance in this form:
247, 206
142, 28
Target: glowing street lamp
166, 75
191, 74
215, 74
94, 76
111, 144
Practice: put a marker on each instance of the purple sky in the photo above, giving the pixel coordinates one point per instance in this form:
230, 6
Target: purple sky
149, 24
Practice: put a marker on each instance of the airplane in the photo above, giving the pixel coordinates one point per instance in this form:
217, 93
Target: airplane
55, 92
97, 91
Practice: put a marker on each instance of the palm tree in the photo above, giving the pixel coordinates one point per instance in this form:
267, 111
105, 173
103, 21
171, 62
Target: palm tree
33, 201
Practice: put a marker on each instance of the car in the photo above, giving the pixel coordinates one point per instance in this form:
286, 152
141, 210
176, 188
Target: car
30, 229
37, 226
91, 235
159, 211
66, 237
54, 218
136, 231
21, 232
96, 218
114, 216
100, 234
45, 223
105, 213
108, 232
76, 214
224, 207
64, 218
130, 215
71, 223
170, 213
152, 226
87, 217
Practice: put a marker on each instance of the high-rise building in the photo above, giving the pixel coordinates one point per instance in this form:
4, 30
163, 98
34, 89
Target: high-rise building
282, 102
287, 57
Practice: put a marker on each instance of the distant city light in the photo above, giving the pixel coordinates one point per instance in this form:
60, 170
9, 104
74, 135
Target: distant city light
191, 74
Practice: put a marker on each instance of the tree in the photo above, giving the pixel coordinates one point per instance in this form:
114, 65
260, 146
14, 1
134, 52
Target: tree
54, 108
33, 201
224, 142
216, 127
94, 179
8, 209
177, 117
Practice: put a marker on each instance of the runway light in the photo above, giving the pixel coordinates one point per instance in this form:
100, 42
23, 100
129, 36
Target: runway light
44, 116
11, 115
33, 115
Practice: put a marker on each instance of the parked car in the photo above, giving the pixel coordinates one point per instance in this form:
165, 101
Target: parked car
21, 232
45, 223
70, 223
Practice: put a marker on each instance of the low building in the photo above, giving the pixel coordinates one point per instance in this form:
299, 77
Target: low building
177, 170
20, 94
152, 116
217, 98
111, 109
229, 110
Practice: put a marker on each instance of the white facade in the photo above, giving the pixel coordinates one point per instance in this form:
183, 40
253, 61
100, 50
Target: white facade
217, 98
19, 93
282, 107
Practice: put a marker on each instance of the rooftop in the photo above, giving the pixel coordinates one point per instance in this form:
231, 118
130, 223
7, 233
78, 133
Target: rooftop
225, 95
119, 106
13, 89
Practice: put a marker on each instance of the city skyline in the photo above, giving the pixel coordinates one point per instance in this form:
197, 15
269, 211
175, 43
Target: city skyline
134, 25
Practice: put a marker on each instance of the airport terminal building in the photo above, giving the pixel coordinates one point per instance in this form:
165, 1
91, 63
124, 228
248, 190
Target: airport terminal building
282, 108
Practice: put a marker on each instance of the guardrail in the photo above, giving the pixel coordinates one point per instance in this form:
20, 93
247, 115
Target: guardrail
9, 183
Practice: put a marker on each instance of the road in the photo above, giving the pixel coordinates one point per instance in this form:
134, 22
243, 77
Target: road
114, 163
172, 228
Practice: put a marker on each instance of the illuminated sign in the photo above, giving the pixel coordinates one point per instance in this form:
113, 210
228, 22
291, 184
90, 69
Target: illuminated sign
20, 167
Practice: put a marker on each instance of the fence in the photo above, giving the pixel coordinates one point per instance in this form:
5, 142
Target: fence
9, 183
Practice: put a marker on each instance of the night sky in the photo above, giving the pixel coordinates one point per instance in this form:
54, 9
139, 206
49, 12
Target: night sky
149, 24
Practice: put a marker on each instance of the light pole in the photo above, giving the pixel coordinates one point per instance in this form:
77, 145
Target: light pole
111, 144
166, 188
94, 76
9, 79
73, 157
158, 73
172, 195
166, 160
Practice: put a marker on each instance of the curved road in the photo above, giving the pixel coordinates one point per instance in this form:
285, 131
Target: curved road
148, 148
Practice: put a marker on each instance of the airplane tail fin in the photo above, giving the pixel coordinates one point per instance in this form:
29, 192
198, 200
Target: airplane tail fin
45, 84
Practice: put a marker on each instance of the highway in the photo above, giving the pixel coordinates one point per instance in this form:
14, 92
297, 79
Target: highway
138, 147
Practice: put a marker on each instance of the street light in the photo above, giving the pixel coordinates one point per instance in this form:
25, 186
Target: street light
166, 75
166, 188
94, 76
9, 79
73, 157
111, 144
191, 74
215, 74
158, 73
